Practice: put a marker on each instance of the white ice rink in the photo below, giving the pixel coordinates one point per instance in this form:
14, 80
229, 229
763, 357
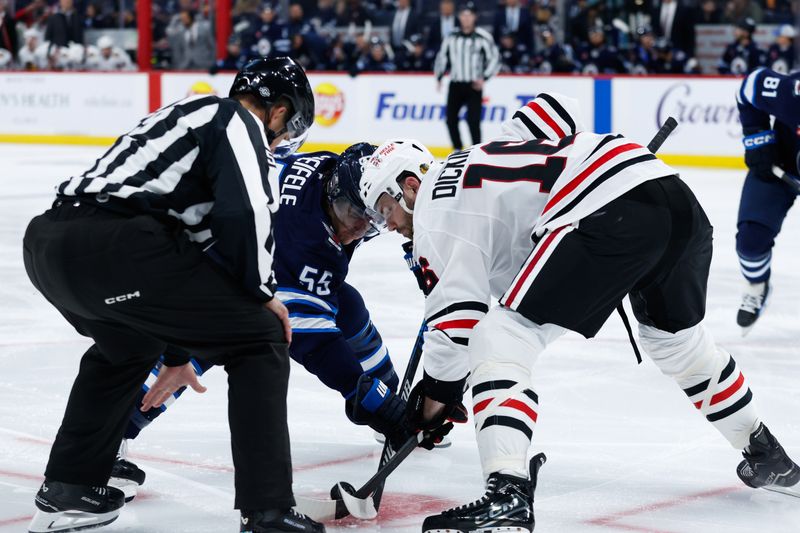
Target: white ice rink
627, 451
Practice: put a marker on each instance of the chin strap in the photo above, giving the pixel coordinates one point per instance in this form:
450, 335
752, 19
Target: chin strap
407, 209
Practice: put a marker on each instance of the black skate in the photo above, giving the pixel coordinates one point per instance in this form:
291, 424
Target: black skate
506, 507
767, 466
276, 521
125, 475
754, 303
67, 507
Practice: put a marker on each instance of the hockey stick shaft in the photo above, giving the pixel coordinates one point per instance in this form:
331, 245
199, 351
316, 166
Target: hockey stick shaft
786, 178
661, 135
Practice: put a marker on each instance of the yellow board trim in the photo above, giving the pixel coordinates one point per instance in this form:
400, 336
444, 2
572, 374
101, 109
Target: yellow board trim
702, 161
79, 140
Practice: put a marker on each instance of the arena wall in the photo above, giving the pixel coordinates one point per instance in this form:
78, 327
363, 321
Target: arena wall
93, 108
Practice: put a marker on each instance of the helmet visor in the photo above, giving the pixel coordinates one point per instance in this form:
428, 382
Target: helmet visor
353, 222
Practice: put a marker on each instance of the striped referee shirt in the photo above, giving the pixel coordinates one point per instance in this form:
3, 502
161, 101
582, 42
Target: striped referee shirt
468, 57
204, 162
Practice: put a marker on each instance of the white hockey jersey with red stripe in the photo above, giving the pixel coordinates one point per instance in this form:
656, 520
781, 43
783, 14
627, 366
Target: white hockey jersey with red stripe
474, 217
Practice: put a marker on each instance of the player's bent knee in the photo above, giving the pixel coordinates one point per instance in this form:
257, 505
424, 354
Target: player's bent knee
505, 336
680, 353
754, 239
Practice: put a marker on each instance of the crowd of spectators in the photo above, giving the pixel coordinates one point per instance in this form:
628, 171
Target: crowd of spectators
589, 36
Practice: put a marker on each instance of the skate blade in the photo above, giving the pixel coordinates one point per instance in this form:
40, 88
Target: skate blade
496, 529
794, 490
127, 486
69, 521
746, 330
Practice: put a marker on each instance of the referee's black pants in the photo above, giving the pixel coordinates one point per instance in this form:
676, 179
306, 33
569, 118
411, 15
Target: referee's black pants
458, 95
135, 285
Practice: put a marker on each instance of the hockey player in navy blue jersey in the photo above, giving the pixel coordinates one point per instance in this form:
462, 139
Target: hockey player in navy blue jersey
319, 224
769, 109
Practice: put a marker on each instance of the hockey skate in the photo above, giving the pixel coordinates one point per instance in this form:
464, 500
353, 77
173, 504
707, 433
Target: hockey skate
125, 475
275, 521
507, 507
68, 507
767, 466
754, 302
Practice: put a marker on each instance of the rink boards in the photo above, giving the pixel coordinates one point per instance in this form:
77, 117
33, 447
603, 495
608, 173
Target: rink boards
93, 108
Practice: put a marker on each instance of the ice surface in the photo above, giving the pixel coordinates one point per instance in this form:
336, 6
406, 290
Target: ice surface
627, 452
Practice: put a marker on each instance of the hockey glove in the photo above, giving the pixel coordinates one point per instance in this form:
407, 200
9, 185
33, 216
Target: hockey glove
375, 405
760, 153
450, 394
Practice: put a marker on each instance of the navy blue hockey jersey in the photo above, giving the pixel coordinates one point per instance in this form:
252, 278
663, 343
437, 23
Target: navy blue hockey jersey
769, 100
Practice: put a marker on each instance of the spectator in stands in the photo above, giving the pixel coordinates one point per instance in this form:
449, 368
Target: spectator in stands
352, 12
544, 18
272, 38
643, 55
377, 59
742, 55
324, 19
8, 32
443, 24
511, 57
709, 12
235, 58
736, 10
94, 18
64, 26
302, 53
33, 54
511, 17
193, 44
404, 24
672, 60
107, 57
297, 22
676, 22
553, 57
415, 56
780, 56
597, 57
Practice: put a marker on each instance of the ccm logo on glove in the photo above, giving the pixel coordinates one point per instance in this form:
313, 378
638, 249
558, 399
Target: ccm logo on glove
122, 298
757, 140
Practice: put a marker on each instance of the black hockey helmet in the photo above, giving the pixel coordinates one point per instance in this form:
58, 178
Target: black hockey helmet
270, 78
747, 24
343, 188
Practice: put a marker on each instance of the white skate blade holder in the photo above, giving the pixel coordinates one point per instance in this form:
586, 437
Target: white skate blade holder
794, 490
127, 486
69, 521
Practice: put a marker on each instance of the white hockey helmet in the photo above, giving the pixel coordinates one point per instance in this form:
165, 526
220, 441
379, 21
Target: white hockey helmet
105, 41
393, 160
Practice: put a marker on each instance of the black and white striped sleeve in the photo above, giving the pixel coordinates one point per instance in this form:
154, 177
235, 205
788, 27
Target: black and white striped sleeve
491, 54
244, 182
548, 116
442, 62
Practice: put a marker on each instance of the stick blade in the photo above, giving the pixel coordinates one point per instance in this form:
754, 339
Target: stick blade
362, 509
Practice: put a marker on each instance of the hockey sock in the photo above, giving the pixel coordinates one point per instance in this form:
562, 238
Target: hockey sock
709, 376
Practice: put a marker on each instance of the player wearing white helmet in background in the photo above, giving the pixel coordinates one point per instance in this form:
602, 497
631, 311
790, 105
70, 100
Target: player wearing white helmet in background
559, 225
107, 57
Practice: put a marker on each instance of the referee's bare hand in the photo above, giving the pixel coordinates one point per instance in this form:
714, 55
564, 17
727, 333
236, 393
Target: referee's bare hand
277, 307
170, 379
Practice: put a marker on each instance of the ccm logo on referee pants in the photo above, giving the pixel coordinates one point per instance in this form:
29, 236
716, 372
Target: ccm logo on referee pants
122, 298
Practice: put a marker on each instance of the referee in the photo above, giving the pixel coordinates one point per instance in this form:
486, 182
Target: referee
471, 57
167, 240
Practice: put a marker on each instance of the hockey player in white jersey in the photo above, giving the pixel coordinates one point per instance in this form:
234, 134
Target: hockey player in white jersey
560, 225
107, 57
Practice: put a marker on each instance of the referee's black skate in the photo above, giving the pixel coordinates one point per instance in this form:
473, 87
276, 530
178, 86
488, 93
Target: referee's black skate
276, 521
68, 507
754, 303
125, 475
507, 507
766, 465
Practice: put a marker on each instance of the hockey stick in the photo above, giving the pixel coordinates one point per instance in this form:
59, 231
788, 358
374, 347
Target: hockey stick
787, 178
365, 502
360, 500
661, 135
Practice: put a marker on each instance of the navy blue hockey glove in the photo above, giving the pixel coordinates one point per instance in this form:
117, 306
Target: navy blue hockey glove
760, 153
375, 405
450, 393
